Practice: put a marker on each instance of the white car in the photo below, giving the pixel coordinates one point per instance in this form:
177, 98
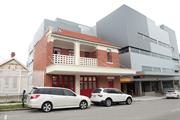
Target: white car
173, 94
48, 98
107, 96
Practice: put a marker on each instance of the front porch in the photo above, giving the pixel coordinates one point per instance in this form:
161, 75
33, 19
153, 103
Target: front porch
85, 79
84, 84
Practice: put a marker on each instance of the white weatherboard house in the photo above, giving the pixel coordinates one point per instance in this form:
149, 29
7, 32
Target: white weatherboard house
13, 78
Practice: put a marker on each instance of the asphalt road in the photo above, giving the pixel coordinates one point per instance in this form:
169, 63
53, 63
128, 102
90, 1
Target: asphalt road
165, 109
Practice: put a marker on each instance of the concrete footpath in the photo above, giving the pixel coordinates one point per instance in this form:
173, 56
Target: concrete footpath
144, 98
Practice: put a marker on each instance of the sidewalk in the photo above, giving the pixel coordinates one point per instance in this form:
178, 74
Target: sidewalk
145, 98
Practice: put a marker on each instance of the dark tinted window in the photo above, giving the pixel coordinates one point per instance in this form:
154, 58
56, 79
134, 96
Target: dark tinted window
114, 91
97, 91
68, 93
57, 91
42, 91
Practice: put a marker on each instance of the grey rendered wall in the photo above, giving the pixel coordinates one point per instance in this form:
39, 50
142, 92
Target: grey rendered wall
136, 22
139, 60
173, 41
121, 26
113, 28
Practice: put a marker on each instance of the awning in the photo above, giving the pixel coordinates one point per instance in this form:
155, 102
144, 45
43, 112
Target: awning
126, 79
84, 70
150, 73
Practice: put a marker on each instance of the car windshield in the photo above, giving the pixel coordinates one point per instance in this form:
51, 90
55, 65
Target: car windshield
171, 91
97, 91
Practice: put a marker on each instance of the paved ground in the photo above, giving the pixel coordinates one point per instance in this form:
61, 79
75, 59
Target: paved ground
162, 109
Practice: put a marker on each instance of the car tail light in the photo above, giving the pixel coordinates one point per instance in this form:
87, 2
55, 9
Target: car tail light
34, 96
100, 95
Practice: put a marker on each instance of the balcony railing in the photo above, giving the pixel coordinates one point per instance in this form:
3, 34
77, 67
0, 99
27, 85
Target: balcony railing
70, 60
63, 59
88, 61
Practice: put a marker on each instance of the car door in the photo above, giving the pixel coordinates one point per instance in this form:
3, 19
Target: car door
58, 98
119, 95
72, 100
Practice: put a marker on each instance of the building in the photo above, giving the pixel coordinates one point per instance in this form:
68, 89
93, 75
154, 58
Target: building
13, 77
71, 59
149, 49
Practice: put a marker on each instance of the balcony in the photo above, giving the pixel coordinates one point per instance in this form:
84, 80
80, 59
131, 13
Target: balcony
70, 60
88, 61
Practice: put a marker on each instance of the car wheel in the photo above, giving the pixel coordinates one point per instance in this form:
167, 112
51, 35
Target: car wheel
83, 104
128, 101
178, 97
47, 107
108, 102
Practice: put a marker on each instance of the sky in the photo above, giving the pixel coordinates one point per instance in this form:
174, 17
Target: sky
20, 19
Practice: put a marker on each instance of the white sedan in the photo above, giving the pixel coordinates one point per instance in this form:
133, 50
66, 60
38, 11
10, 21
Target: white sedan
48, 98
173, 94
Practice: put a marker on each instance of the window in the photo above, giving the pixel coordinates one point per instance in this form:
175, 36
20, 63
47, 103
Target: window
114, 91
97, 91
86, 54
68, 93
42, 91
109, 56
71, 52
6, 82
88, 82
57, 50
57, 92
54, 81
14, 82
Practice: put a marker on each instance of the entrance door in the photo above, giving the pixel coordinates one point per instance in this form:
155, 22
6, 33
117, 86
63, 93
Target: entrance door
66, 81
87, 84
110, 83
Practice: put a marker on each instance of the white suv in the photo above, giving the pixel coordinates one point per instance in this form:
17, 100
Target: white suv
48, 98
107, 96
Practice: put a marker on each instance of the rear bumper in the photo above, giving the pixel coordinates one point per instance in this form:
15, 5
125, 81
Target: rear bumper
97, 100
171, 96
32, 104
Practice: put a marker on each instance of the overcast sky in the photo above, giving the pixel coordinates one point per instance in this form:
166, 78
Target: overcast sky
19, 19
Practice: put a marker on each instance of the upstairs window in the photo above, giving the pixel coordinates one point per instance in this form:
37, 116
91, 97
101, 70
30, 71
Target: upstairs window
57, 50
109, 55
86, 54
71, 52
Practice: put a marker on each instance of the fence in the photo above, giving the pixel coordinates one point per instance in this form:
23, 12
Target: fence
10, 98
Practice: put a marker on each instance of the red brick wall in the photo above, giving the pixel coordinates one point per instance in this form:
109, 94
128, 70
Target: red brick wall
43, 57
48, 80
102, 81
102, 59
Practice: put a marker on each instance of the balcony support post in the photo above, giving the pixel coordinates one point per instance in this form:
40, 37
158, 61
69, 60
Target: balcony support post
77, 52
77, 84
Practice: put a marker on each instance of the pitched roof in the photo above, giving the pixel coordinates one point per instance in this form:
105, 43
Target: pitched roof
83, 37
11, 59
